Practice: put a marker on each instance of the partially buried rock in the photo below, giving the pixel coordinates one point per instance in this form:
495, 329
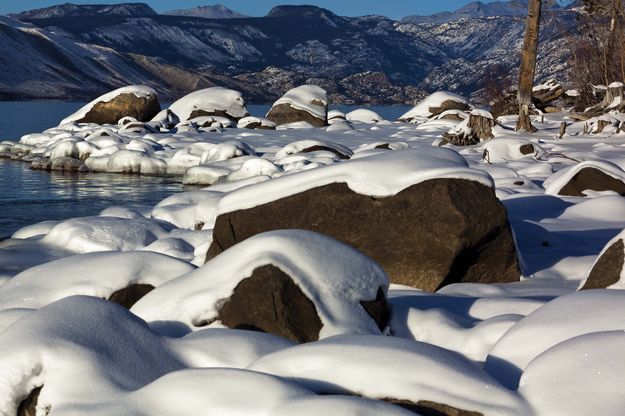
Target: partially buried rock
214, 101
434, 105
135, 101
293, 283
609, 268
592, 175
446, 227
308, 103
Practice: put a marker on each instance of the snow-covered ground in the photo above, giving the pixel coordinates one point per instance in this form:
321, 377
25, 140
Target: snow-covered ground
538, 346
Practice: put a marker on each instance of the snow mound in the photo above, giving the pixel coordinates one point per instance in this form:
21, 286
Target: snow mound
502, 150
392, 368
89, 234
312, 145
108, 272
333, 275
581, 376
140, 91
80, 338
558, 180
211, 101
363, 115
380, 175
557, 321
433, 105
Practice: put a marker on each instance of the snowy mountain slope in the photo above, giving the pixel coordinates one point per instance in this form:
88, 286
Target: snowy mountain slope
82, 10
215, 11
479, 9
309, 44
37, 63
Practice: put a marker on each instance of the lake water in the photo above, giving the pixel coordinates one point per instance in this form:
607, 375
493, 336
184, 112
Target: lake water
27, 196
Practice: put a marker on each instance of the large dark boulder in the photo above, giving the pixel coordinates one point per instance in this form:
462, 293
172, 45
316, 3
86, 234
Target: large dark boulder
608, 268
429, 235
124, 105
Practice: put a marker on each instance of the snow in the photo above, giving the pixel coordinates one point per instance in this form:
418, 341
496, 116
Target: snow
41, 285
363, 115
139, 91
386, 367
380, 175
561, 348
559, 320
422, 110
588, 371
210, 100
335, 285
558, 180
309, 98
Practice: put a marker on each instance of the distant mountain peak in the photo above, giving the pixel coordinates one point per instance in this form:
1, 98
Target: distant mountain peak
307, 12
214, 11
86, 10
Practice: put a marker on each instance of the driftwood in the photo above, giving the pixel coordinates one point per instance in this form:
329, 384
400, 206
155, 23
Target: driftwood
562, 130
614, 100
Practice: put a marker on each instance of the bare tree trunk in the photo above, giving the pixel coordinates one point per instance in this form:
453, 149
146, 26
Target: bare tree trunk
528, 66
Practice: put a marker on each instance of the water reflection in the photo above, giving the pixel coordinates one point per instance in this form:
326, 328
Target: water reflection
27, 197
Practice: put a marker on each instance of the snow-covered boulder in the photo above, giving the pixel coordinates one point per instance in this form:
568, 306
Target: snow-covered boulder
121, 277
214, 101
425, 378
435, 104
591, 175
293, 283
252, 123
306, 103
608, 271
420, 212
137, 101
308, 146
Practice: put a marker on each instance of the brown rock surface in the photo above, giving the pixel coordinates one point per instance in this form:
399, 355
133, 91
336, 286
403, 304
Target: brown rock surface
130, 295
270, 301
284, 114
431, 234
427, 408
124, 105
592, 179
607, 270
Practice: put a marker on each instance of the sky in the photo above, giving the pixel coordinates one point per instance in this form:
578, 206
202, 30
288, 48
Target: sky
391, 8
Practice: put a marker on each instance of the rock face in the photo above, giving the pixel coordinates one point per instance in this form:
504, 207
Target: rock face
124, 105
592, 179
547, 92
434, 105
269, 301
608, 268
129, 296
429, 235
28, 406
307, 103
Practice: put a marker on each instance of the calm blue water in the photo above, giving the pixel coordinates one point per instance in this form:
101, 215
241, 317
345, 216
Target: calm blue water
27, 196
